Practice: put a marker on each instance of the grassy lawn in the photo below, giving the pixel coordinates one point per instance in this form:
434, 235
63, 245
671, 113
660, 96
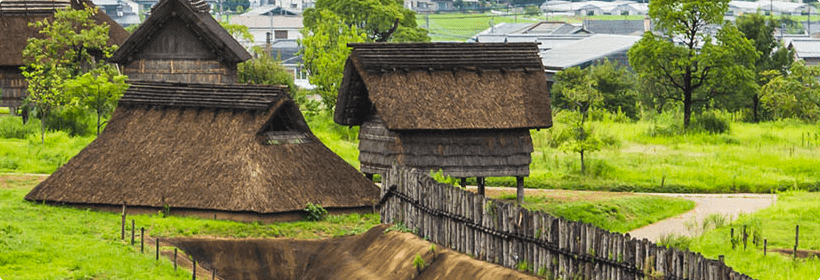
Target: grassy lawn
617, 212
776, 224
460, 27
46, 242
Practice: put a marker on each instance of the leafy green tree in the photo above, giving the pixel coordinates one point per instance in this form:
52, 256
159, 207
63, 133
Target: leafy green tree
378, 19
698, 60
579, 91
98, 91
795, 95
237, 5
324, 50
265, 70
616, 84
73, 44
773, 56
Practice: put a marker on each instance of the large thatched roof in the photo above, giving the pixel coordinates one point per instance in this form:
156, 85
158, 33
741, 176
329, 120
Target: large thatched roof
194, 15
15, 15
444, 86
237, 148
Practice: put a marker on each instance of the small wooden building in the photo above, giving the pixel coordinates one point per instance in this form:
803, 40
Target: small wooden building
15, 16
181, 42
216, 149
463, 108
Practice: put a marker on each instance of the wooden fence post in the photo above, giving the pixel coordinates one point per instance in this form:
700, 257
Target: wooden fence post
194, 270
122, 235
480, 183
745, 236
157, 240
796, 238
765, 242
132, 232
732, 237
142, 240
175, 259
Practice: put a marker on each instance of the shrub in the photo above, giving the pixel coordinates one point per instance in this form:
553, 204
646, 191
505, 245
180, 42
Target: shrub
418, 263
13, 127
315, 212
674, 240
710, 122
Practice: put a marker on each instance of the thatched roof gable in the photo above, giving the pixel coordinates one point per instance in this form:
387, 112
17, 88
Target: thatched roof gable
15, 15
443, 86
191, 15
159, 151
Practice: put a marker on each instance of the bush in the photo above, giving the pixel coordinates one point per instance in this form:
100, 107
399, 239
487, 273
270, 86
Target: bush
13, 127
710, 122
674, 240
315, 212
73, 121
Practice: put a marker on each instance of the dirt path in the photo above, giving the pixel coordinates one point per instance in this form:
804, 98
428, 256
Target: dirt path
729, 205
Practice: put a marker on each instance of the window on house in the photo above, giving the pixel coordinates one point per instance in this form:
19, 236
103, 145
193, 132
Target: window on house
280, 34
285, 127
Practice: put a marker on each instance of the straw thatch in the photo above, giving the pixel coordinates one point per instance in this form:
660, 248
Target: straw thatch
181, 42
445, 86
15, 15
232, 148
463, 108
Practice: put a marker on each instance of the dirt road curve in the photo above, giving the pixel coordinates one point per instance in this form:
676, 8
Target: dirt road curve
729, 205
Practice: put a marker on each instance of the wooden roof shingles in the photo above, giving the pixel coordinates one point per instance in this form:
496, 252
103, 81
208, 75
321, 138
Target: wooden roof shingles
198, 20
442, 86
214, 96
158, 150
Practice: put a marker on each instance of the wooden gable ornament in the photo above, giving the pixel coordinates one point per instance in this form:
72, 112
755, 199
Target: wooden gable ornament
181, 42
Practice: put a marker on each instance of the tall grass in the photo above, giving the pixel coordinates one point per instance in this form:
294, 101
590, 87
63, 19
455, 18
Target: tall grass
776, 225
21, 150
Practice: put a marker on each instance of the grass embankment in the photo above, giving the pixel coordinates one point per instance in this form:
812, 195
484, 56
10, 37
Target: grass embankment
776, 224
613, 212
47, 242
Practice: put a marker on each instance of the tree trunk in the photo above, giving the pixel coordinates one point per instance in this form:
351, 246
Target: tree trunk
43, 130
583, 167
98, 123
687, 98
755, 108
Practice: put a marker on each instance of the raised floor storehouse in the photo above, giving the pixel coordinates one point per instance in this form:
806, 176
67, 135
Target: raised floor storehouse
15, 16
216, 149
463, 108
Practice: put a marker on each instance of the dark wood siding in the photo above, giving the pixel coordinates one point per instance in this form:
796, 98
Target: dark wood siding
175, 41
181, 71
12, 87
459, 153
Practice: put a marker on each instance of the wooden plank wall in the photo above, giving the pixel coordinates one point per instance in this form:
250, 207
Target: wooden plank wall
511, 236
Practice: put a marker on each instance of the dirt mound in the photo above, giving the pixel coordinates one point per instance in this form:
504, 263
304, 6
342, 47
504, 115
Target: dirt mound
372, 255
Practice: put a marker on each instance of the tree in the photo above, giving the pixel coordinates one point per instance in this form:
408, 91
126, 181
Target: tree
773, 56
324, 50
332, 24
378, 19
580, 92
617, 86
97, 91
696, 61
73, 44
265, 70
794, 95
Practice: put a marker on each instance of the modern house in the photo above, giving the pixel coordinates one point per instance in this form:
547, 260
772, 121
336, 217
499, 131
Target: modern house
15, 16
586, 52
186, 138
462, 108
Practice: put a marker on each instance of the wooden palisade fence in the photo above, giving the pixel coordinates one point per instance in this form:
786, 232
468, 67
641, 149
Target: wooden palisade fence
513, 237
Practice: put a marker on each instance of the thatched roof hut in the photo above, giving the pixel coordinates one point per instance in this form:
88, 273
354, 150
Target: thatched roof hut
240, 152
215, 149
463, 108
181, 42
15, 15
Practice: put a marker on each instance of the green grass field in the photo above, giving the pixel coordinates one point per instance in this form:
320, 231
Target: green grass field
613, 212
48, 242
777, 226
462, 26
